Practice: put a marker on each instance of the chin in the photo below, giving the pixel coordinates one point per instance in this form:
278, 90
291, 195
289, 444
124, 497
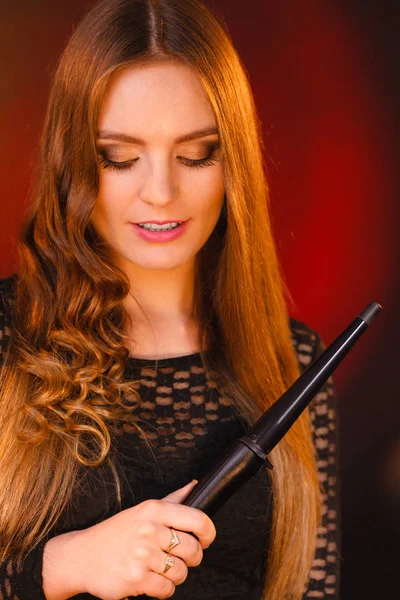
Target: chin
157, 265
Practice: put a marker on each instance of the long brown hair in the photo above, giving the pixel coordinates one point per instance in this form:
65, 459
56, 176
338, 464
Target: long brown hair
62, 385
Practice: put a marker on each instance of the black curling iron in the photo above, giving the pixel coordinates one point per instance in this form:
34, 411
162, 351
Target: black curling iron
245, 456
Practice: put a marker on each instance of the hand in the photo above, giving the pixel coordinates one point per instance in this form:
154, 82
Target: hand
125, 554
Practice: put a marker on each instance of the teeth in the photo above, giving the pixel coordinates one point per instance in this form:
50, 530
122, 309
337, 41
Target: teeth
154, 227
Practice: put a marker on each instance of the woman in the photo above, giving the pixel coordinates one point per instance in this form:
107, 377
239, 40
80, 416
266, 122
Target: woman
133, 355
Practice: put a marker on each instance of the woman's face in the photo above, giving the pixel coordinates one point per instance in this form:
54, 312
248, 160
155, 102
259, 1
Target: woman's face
156, 104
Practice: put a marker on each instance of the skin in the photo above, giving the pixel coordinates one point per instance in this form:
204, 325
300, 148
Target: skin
158, 103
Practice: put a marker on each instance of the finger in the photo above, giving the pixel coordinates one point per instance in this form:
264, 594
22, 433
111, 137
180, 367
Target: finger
179, 495
156, 586
189, 548
177, 573
186, 518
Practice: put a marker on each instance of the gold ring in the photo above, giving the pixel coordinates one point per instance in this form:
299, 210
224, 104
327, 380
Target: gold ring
174, 540
169, 562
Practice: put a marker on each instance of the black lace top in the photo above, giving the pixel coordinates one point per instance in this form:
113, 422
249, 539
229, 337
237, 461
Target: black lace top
190, 424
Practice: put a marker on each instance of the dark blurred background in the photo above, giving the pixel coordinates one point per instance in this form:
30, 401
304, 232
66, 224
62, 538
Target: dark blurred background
326, 82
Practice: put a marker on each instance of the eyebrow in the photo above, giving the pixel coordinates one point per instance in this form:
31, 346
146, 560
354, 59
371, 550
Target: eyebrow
105, 134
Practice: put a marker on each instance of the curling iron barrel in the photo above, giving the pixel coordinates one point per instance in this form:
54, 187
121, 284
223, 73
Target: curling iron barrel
245, 456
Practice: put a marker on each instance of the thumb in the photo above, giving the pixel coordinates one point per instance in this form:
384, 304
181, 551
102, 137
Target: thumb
180, 494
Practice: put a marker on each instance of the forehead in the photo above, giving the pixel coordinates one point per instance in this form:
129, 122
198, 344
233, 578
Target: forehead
154, 100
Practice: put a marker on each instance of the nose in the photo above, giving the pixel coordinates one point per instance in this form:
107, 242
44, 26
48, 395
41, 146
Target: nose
159, 186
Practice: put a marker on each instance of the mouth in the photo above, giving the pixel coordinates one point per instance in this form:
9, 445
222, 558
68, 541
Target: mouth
167, 232
159, 226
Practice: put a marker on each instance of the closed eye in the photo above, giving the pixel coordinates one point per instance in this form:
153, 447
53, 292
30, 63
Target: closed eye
209, 160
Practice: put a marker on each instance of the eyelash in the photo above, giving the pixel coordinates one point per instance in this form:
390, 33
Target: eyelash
203, 162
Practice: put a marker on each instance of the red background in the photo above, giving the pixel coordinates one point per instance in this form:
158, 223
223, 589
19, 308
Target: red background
323, 76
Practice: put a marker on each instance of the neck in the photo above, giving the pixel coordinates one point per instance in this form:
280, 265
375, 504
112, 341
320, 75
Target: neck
160, 296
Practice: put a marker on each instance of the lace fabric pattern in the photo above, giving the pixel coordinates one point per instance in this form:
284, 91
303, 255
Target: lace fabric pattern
189, 425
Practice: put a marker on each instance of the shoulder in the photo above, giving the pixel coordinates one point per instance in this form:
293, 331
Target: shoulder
7, 292
309, 345
306, 342
7, 285
323, 408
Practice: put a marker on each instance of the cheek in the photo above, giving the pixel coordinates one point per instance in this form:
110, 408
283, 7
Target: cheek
111, 201
211, 195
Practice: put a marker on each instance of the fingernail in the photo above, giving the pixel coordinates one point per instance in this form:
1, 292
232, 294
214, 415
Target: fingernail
191, 482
